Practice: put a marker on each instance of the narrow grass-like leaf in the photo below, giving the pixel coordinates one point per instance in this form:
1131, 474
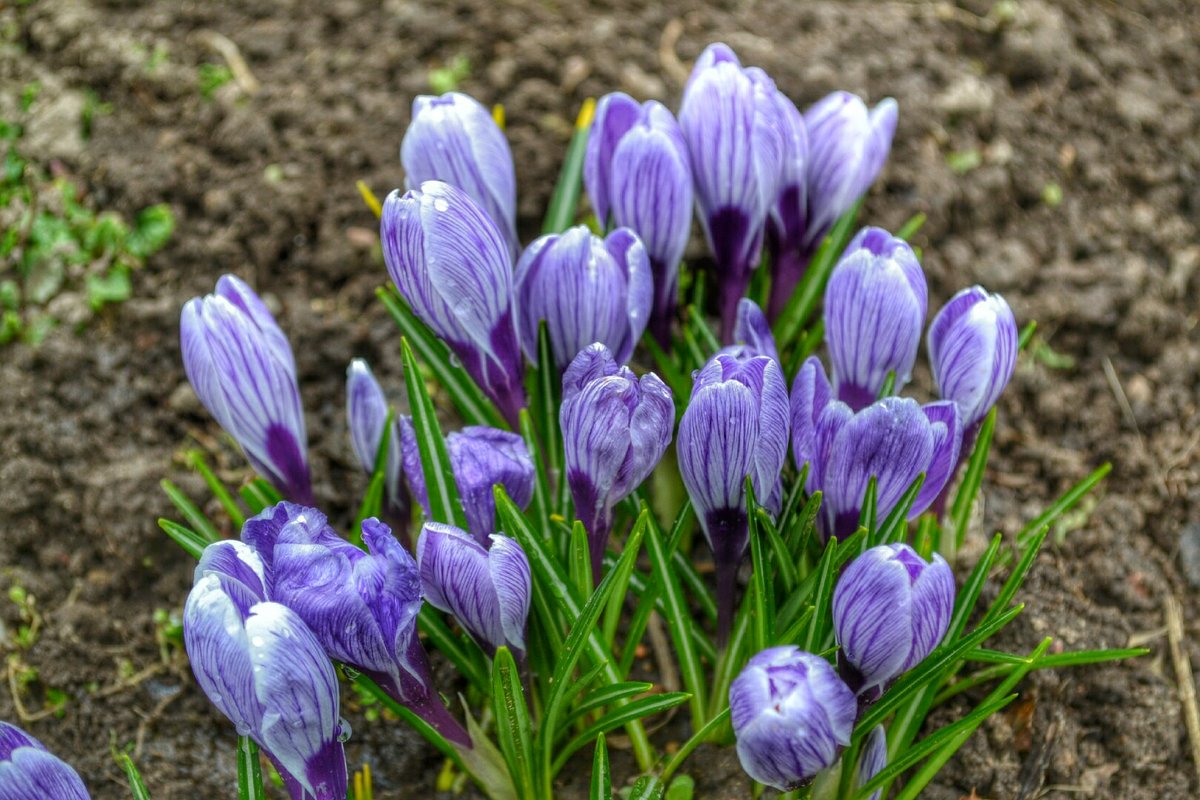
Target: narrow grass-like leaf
1062, 505
910, 228
1009, 590
1026, 335
435, 462
729, 663
783, 559
762, 611
698, 738
513, 728
616, 603
185, 537
580, 565
136, 785
866, 516
453, 648
192, 515
539, 508
195, 458
473, 406
794, 498
810, 339
818, 625
968, 490
250, 784
889, 385
967, 598
705, 335
895, 525
371, 504
1005, 663
601, 783
647, 787
846, 549
631, 712
679, 381
801, 530
604, 696
258, 495
565, 199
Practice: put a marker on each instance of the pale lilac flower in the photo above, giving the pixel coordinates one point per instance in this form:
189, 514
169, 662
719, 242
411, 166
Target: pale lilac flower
973, 349
241, 366
28, 771
367, 411
872, 759
752, 334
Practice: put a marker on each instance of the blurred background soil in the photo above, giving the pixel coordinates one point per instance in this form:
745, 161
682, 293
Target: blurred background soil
1053, 147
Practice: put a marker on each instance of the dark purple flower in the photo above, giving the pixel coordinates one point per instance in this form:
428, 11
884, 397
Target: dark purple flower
28, 771
263, 668
453, 138
751, 333
487, 590
637, 174
241, 366
791, 714
973, 349
480, 458
891, 608
587, 289
875, 307
893, 440
616, 428
872, 759
452, 265
367, 411
735, 425
361, 605
730, 121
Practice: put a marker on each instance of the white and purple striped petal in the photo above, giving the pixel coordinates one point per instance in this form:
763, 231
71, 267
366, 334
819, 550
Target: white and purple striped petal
487, 591
587, 289
242, 369
366, 412
973, 350
752, 333
875, 306
453, 138
787, 222
945, 419
452, 265
873, 759
811, 395
791, 715
28, 771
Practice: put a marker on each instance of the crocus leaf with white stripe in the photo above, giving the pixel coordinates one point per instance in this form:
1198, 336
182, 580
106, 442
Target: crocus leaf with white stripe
28, 771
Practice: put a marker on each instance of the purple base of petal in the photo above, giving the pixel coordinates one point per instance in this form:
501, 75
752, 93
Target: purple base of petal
786, 271
938, 506
293, 477
729, 531
731, 287
662, 315
425, 704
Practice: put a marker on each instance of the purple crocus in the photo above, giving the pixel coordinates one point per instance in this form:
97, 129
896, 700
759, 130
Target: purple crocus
263, 668
638, 175
486, 589
847, 148
730, 122
480, 457
452, 265
241, 366
587, 289
616, 428
791, 715
875, 307
872, 759
367, 411
735, 425
788, 217
751, 333
361, 605
891, 608
894, 440
453, 138
973, 349
28, 771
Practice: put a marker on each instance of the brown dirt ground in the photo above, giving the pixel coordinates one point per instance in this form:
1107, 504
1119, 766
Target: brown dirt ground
1099, 98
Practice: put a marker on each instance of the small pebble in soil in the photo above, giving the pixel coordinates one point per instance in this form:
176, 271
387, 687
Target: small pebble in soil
1189, 553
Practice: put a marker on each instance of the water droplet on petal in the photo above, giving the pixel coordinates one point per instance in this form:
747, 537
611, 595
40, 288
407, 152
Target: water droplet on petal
344, 730
440, 204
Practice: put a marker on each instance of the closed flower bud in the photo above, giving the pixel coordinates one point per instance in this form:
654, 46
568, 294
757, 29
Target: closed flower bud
361, 605
453, 138
638, 174
452, 265
847, 148
241, 366
787, 222
751, 333
587, 289
973, 349
487, 590
873, 758
875, 307
791, 715
891, 608
367, 411
729, 119
735, 425
263, 668
480, 458
893, 440
28, 771
616, 428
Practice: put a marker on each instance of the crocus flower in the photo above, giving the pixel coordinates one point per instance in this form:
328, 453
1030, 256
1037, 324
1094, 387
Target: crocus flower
973, 349
616, 428
730, 122
487, 590
480, 457
891, 608
875, 306
735, 425
872, 759
894, 440
241, 366
452, 265
367, 411
28, 771
362, 606
453, 138
791, 714
263, 668
788, 217
751, 333
587, 289
638, 174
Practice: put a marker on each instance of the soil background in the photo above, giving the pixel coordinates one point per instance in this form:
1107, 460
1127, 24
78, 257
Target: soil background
1077, 194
